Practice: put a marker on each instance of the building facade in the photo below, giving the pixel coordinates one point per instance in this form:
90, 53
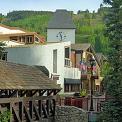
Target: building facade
61, 27
54, 56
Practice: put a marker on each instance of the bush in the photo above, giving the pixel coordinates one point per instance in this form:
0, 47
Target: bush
5, 116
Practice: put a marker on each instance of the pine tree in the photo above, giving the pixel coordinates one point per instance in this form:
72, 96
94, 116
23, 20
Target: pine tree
112, 109
1, 48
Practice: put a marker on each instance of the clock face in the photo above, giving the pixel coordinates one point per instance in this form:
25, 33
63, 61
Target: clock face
61, 36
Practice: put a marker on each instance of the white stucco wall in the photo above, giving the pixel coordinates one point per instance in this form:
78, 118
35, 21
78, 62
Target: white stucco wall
40, 55
52, 33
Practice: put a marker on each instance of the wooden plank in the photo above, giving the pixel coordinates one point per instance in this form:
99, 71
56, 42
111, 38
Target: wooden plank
13, 93
42, 92
20, 99
50, 92
23, 93
56, 91
16, 114
36, 111
44, 111
28, 117
33, 93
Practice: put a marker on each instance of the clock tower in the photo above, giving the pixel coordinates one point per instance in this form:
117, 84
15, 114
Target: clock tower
61, 27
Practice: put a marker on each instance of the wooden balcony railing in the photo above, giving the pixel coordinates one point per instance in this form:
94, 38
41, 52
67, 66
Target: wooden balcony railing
67, 62
86, 71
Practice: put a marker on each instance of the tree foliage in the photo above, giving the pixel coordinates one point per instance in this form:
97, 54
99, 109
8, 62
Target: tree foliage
112, 109
5, 116
89, 25
1, 48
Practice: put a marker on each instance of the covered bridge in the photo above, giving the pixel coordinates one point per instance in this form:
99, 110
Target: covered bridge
27, 93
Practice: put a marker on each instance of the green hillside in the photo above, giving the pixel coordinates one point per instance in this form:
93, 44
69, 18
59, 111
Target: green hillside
89, 26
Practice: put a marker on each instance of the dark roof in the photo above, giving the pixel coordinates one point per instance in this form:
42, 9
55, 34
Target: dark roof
19, 76
61, 20
71, 81
83, 46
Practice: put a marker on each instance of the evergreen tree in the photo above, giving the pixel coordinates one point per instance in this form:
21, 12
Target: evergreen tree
112, 109
1, 48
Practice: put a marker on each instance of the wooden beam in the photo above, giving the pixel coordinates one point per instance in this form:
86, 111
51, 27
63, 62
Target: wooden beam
42, 92
13, 93
27, 115
44, 111
49, 92
36, 112
20, 99
33, 93
56, 91
16, 114
23, 93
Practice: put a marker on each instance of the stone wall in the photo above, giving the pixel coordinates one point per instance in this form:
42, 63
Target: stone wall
70, 114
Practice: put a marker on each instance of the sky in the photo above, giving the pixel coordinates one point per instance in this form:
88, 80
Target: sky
48, 5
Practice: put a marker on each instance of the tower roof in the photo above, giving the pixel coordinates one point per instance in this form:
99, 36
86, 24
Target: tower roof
61, 20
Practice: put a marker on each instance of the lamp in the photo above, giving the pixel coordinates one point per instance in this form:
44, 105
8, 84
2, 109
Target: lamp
92, 63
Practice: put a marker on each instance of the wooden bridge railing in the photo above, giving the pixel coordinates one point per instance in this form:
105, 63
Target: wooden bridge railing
29, 109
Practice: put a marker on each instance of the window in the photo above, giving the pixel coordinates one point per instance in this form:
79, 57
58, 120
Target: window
67, 56
75, 87
67, 52
66, 87
29, 39
55, 61
71, 87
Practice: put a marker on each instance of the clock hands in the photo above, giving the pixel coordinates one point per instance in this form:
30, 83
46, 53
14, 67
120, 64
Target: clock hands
61, 36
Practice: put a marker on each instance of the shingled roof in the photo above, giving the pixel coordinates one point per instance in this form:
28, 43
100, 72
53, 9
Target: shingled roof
19, 76
83, 46
61, 20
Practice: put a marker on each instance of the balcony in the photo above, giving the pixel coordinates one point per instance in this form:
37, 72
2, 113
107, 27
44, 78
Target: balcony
67, 62
73, 73
85, 70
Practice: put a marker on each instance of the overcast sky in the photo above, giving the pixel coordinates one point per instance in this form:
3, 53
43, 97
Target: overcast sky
48, 5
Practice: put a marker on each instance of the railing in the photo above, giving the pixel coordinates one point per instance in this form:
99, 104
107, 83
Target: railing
70, 72
67, 62
83, 103
86, 70
29, 108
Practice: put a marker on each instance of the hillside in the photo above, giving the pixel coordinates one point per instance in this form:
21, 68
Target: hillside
89, 26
